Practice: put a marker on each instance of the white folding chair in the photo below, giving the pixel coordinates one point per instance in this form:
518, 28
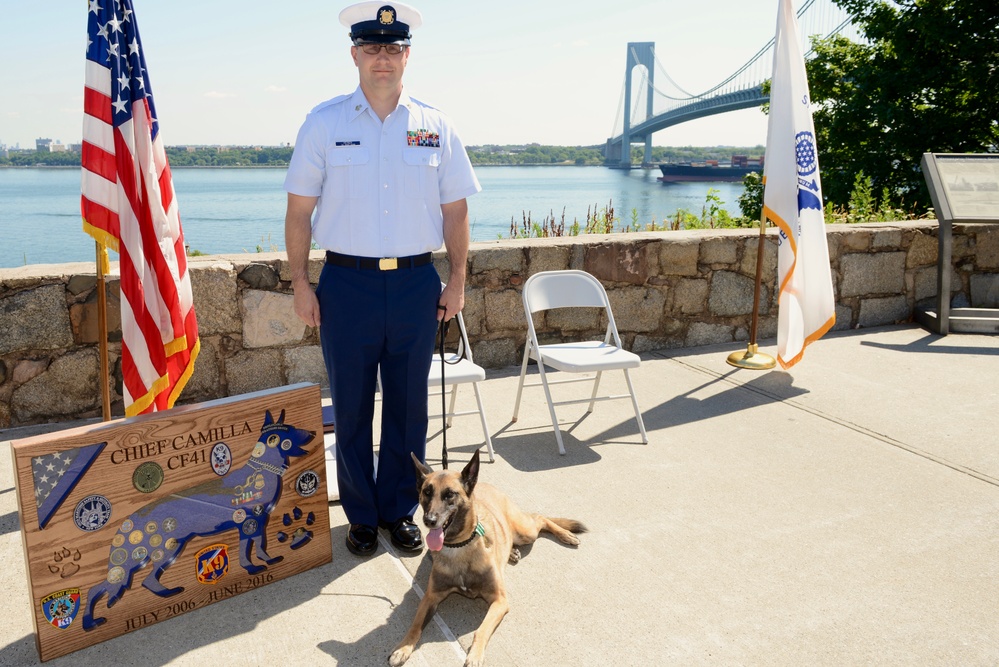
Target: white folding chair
561, 289
459, 368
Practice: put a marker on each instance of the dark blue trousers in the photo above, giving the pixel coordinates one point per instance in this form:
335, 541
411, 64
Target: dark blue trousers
373, 320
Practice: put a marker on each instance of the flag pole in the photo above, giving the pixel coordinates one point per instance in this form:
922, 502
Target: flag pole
752, 359
102, 325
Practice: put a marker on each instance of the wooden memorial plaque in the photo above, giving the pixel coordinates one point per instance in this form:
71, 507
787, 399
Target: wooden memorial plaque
130, 522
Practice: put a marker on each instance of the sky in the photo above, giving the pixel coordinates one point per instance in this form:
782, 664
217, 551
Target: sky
246, 72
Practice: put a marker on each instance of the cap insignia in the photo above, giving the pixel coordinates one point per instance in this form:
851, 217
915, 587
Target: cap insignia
386, 15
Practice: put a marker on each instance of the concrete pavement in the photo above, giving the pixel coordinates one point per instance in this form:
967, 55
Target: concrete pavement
843, 513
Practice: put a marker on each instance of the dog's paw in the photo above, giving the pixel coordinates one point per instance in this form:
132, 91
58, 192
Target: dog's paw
475, 662
400, 655
570, 539
514, 556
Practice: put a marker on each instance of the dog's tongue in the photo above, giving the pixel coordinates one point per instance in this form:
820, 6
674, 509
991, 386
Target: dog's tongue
435, 539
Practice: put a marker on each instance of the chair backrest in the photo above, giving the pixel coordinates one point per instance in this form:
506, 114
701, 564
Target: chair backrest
562, 289
464, 338
566, 289
462, 335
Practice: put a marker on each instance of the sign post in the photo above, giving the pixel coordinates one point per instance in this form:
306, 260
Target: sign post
964, 188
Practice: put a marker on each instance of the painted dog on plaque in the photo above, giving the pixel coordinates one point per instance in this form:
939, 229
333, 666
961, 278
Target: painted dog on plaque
241, 500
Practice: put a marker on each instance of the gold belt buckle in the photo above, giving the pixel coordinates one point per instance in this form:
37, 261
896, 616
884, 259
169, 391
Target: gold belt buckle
388, 264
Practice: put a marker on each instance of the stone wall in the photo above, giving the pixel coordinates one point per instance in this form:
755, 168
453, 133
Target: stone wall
667, 290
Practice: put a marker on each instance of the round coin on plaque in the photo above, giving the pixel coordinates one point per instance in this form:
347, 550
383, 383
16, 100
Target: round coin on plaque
147, 477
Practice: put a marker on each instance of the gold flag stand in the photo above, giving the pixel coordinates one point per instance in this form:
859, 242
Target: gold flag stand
102, 326
752, 359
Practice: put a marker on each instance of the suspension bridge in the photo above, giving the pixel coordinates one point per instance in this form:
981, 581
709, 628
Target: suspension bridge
667, 104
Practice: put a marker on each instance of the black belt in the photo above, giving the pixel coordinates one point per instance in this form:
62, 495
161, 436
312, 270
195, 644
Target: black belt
378, 263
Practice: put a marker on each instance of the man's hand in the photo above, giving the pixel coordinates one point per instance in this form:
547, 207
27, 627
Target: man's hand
298, 239
451, 301
456, 241
307, 305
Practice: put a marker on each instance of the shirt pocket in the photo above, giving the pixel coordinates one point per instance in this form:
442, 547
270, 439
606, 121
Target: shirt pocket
345, 171
421, 165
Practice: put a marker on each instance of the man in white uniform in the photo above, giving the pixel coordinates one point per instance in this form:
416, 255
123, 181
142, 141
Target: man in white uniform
379, 180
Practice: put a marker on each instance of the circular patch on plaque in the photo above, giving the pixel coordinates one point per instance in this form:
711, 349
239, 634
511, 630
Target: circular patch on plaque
307, 483
138, 553
147, 477
273, 439
239, 515
118, 556
169, 524
157, 555
126, 525
258, 510
156, 540
249, 526
151, 527
221, 458
285, 444
171, 544
136, 537
92, 513
116, 575
258, 450
118, 540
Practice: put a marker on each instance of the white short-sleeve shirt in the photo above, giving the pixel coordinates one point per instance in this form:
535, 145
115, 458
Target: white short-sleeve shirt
380, 185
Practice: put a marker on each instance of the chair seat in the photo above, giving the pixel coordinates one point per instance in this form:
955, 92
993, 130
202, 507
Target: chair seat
583, 356
460, 373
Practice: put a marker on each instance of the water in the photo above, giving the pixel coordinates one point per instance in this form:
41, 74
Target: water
242, 210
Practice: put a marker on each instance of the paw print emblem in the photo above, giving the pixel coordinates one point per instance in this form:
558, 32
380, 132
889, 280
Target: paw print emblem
64, 563
301, 535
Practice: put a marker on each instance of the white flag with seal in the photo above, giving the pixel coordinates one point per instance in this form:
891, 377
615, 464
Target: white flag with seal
792, 200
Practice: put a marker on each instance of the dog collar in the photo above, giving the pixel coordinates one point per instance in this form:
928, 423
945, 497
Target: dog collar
258, 465
479, 530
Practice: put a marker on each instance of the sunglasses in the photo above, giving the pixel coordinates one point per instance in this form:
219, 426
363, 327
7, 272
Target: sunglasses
373, 49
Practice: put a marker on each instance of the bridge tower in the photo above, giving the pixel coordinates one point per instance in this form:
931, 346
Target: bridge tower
639, 53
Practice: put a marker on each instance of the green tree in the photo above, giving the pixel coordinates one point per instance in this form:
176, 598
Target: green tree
751, 199
926, 80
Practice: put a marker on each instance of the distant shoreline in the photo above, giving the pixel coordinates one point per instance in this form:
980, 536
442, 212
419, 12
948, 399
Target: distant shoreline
285, 166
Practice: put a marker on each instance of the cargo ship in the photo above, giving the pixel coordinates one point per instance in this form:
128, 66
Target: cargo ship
709, 170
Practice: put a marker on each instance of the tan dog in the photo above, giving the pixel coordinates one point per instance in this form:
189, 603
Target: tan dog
472, 537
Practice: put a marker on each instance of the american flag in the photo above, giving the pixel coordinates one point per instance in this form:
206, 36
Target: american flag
128, 205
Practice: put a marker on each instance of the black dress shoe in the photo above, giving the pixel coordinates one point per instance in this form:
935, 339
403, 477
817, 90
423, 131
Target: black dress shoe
361, 539
404, 533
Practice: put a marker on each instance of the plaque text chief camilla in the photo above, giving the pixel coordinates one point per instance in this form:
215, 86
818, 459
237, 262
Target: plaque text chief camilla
182, 444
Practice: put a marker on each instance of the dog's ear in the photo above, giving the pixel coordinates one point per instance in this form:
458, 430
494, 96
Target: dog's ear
470, 474
421, 470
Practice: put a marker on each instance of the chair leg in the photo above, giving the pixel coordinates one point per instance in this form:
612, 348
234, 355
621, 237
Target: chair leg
593, 396
551, 407
450, 410
520, 384
638, 412
485, 426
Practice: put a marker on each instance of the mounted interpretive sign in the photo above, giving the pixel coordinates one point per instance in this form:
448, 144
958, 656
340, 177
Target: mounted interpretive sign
964, 188
130, 522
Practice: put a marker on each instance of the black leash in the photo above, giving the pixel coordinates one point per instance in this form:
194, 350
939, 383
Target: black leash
442, 329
